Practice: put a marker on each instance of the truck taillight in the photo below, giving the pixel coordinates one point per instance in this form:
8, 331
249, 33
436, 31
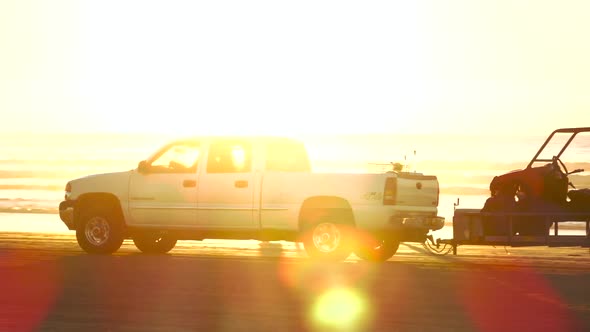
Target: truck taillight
390, 191
437, 196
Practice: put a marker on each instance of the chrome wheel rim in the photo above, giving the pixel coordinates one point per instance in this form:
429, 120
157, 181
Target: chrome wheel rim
155, 238
159, 237
326, 237
97, 231
378, 245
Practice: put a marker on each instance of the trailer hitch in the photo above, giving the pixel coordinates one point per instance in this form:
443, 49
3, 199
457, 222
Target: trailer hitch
433, 246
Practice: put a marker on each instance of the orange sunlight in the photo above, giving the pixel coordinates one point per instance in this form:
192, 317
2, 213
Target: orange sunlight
293, 69
109, 220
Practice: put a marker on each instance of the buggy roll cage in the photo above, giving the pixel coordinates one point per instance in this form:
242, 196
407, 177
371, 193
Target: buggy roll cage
572, 131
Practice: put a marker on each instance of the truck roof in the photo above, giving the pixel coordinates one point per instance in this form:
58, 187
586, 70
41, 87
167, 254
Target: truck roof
263, 139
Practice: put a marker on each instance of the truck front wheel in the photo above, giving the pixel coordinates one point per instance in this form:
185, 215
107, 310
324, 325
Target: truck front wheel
154, 242
326, 240
99, 232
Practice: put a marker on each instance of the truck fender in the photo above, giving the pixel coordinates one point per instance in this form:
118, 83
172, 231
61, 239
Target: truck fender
104, 200
317, 207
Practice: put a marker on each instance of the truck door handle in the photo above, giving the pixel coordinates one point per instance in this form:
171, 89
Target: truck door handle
241, 184
189, 183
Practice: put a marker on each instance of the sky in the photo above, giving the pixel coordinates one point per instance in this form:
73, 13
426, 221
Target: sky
294, 67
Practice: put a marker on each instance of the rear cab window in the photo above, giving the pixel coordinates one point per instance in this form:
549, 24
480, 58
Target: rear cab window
286, 157
229, 157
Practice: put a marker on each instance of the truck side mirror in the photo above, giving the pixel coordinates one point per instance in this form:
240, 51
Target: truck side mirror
143, 167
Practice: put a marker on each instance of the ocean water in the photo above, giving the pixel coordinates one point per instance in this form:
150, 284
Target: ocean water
34, 168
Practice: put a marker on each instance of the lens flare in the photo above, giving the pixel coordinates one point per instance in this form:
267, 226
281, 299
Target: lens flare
340, 309
30, 287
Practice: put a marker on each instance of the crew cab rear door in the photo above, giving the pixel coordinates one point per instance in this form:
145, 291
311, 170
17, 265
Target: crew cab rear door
226, 186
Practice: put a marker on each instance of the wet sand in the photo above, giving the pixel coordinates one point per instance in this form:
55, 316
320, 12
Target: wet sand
49, 284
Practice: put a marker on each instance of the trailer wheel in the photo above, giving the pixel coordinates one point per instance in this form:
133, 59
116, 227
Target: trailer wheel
154, 242
327, 240
100, 231
375, 250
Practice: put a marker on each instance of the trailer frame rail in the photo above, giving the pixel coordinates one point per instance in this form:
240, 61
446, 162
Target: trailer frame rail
468, 229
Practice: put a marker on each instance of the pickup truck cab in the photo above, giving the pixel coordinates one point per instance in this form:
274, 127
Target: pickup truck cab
249, 188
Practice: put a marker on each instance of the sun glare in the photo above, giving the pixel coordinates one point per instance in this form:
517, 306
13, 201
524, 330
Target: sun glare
341, 309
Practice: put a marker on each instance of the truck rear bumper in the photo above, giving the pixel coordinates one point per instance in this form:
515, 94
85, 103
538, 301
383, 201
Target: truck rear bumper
417, 222
66, 213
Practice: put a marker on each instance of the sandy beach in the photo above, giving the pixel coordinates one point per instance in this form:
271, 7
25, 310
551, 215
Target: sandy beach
49, 284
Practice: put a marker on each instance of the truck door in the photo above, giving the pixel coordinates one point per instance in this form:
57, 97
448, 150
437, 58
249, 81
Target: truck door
226, 187
163, 190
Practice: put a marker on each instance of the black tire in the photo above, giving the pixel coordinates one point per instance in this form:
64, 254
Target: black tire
327, 240
154, 242
100, 231
376, 250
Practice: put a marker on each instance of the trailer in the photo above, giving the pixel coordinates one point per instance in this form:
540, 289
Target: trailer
472, 227
529, 207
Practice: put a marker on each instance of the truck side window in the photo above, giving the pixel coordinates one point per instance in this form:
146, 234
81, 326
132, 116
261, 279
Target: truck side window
177, 158
286, 157
229, 157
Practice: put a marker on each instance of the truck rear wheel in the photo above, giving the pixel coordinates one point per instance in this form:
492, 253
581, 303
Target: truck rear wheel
99, 232
154, 242
376, 250
327, 240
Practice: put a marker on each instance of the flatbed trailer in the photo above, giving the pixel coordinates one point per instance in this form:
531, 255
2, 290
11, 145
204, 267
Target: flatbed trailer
469, 228
547, 206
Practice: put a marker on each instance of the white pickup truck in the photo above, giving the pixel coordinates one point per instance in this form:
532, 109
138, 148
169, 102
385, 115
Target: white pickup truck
249, 188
